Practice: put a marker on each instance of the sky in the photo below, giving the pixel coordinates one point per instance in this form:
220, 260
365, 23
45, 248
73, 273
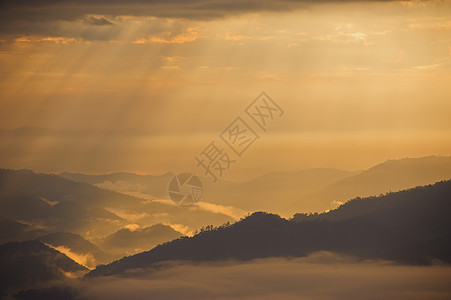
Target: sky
146, 85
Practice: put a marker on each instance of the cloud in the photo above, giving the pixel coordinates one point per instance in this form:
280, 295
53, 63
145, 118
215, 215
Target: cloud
321, 275
86, 260
193, 9
190, 35
235, 213
18, 16
185, 230
97, 26
97, 20
121, 186
228, 36
129, 215
132, 227
234, 37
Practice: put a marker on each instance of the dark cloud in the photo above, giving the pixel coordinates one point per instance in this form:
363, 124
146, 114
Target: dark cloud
91, 27
191, 9
97, 20
28, 17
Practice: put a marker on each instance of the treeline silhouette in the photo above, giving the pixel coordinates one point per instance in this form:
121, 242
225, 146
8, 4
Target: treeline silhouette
410, 227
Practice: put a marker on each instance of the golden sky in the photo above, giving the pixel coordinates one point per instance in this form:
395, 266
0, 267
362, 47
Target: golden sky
144, 86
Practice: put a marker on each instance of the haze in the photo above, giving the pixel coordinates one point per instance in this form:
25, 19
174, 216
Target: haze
144, 87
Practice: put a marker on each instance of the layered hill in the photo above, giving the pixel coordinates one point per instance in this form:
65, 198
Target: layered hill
24, 264
410, 226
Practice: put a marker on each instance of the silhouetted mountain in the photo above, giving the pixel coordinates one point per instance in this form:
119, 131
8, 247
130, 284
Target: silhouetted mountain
90, 253
410, 226
152, 185
16, 231
123, 241
33, 205
281, 192
24, 264
54, 189
256, 194
318, 190
59, 204
392, 175
286, 193
69, 215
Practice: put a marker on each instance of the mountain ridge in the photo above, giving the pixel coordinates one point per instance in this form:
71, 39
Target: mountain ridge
30, 262
405, 226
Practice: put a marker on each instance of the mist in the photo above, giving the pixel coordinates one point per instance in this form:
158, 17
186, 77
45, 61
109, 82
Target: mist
322, 275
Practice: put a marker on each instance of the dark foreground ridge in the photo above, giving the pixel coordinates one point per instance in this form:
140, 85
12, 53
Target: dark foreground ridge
410, 227
26, 263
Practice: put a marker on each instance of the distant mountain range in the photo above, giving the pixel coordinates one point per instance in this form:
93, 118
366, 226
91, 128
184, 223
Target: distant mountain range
152, 185
34, 205
58, 204
79, 219
286, 193
56, 222
318, 190
410, 226
53, 203
390, 176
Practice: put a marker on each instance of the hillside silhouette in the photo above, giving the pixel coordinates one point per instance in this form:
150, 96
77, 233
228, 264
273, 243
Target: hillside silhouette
14, 231
126, 241
24, 264
290, 192
410, 227
318, 190
389, 176
153, 185
49, 203
76, 244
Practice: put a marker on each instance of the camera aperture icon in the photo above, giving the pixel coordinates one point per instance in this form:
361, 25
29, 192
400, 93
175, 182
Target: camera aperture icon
185, 189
